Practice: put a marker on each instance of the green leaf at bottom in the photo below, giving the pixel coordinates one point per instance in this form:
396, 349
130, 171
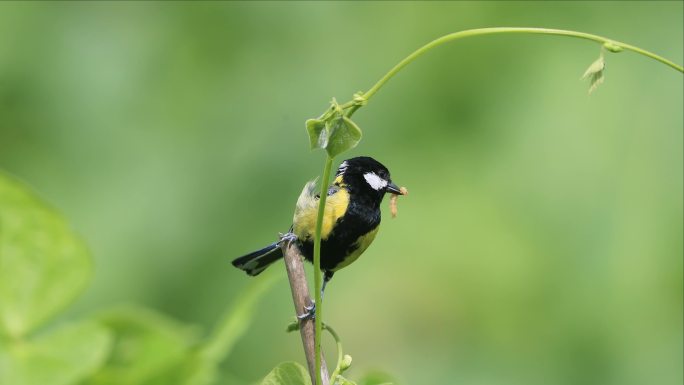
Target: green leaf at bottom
43, 264
287, 373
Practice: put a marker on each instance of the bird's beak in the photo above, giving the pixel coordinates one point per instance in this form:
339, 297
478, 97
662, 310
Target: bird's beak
393, 188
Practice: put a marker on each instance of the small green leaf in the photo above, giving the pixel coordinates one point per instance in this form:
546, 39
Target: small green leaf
595, 73
344, 135
334, 131
318, 134
43, 264
287, 373
64, 357
292, 326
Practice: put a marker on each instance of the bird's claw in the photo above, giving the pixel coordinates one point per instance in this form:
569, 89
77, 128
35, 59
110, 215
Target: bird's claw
287, 237
309, 314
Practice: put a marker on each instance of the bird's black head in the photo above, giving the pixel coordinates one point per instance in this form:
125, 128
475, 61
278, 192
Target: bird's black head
366, 176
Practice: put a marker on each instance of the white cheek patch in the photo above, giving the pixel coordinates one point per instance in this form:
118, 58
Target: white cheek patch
375, 181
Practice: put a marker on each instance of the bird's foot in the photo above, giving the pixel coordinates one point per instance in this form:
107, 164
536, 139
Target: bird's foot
309, 314
287, 238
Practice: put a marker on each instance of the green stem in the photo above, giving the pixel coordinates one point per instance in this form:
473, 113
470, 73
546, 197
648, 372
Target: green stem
615, 46
318, 281
340, 353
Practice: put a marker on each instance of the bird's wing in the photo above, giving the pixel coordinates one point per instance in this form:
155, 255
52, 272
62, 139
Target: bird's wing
304, 220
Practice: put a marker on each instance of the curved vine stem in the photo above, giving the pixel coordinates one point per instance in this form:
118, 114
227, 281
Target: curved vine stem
361, 99
611, 45
340, 353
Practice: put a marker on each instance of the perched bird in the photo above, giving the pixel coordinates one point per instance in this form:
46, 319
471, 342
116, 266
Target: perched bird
350, 221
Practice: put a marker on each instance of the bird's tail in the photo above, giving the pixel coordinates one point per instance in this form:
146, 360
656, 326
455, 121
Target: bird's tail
257, 261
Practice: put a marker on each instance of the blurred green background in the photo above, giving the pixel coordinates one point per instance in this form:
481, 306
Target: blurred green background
542, 239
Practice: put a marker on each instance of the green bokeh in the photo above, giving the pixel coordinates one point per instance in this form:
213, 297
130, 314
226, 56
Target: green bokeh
542, 239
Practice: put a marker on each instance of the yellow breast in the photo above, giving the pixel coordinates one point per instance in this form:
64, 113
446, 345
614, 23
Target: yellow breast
304, 220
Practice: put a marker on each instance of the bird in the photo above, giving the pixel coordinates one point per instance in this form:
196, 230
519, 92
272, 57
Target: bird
350, 222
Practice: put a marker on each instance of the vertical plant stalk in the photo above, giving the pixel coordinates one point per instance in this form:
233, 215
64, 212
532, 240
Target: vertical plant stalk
318, 279
301, 299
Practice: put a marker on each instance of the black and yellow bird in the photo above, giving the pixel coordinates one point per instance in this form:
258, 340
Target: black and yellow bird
350, 222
